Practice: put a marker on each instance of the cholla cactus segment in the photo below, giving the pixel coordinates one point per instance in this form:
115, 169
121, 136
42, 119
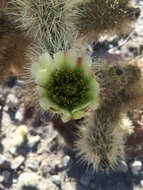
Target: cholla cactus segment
92, 18
43, 20
66, 84
101, 140
117, 78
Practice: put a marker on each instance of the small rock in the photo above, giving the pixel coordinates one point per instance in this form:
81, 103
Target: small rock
6, 121
56, 179
28, 179
4, 162
33, 166
141, 182
110, 46
12, 150
33, 142
11, 100
18, 162
69, 186
123, 167
136, 167
67, 162
1, 179
20, 135
18, 91
86, 178
44, 171
14, 181
6, 108
19, 114
7, 176
2, 99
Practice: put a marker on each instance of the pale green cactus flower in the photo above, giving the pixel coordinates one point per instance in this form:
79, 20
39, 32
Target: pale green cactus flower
66, 84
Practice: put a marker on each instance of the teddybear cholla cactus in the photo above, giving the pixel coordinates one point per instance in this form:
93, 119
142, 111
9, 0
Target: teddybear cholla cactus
103, 133
102, 138
56, 23
93, 18
43, 20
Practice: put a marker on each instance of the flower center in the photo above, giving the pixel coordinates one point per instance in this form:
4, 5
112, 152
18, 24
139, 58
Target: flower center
68, 88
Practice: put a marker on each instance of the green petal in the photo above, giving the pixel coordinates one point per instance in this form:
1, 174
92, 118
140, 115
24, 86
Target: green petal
94, 94
34, 69
46, 59
78, 114
81, 107
86, 65
71, 58
42, 91
87, 61
94, 87
41, 71
65, 118
46, 104
65, 115
65, 112
94, 104
59, 59
68, 58
42, 77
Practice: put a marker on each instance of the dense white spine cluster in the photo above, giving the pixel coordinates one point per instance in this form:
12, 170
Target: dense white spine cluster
43, 21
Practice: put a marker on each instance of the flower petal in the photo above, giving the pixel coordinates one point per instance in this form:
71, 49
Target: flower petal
42, 77
59, 59
46, 104
45, 59
87, 61
71, 58
41, 71
42, 91
81, 107
65, 118
94, 104
68, 58
65, 112
94, 86
78, 114
86, 65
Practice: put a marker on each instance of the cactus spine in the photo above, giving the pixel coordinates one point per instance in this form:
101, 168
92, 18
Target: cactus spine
93, 18
43, 21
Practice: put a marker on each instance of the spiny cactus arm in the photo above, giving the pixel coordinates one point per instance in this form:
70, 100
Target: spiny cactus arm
122, 79
93, 18
133, 94
101, 138
12, 50
43, 20
3, 4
